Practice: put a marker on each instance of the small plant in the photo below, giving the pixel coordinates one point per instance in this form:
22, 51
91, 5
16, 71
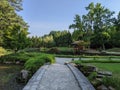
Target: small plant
92, 76
112, 81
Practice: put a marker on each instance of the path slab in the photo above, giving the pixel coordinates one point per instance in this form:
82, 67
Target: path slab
58, 77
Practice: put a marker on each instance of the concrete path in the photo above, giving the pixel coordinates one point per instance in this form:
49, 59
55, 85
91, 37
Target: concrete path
60, 60
58, 77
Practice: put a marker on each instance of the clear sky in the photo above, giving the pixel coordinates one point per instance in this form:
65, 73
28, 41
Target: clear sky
44, 16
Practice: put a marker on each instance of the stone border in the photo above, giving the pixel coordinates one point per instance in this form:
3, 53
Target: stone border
82, 80
34, 82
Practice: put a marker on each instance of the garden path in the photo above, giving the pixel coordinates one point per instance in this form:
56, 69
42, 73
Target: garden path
58, 77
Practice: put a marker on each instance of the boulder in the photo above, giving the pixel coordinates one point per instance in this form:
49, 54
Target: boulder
24, 74
102, 87
106, 73
111, 88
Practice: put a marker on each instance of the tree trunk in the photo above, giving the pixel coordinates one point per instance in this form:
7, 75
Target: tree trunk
103, 46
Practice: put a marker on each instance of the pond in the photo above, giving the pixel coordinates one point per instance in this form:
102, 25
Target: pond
7, 77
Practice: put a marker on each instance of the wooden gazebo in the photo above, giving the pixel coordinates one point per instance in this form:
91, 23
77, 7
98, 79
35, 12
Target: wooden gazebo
80, 46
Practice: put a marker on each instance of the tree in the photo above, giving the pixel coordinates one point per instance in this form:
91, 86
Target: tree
17, 4
100, 20
61, 38
78, 28
16, 38
11, 24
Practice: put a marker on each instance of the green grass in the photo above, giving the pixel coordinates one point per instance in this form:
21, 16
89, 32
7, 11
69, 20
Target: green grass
114, 50
113, 67
113, 81
65, 48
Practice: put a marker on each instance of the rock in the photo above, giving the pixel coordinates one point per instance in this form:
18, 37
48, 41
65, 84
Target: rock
8, 62
100, 76
106, 73
102, 87
111, 88
48, 63
17, 62
24, 74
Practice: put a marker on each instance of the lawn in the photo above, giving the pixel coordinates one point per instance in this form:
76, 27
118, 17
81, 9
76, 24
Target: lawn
113, 50
113, 67
113, 81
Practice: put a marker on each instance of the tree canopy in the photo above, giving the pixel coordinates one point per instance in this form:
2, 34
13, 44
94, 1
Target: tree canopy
11, 24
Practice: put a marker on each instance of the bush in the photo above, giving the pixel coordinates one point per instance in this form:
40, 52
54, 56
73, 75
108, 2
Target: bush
48, 58
92, 76
22, 57
35, 63
54, 50
31, 50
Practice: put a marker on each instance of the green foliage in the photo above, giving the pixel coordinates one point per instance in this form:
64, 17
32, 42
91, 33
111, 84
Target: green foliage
32, 61
61, 50
114, 50
35, 63
17, 4
2, 51
92, 76
16, 38
54, 50
112, 81
13, 29
98, 27
54, 38
78, 28
22, 57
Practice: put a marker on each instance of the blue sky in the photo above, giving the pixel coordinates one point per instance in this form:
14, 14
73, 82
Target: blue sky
44, 16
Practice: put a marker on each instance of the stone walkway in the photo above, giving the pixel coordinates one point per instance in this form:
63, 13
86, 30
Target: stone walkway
58, 77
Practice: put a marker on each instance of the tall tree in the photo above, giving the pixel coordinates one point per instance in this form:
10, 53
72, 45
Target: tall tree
10, 21
78, 28
17, 4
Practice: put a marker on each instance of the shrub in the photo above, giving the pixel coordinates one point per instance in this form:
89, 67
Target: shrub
112, 81
48, 58
36, 62
22, 57
54, 50
92, 76
33, 64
